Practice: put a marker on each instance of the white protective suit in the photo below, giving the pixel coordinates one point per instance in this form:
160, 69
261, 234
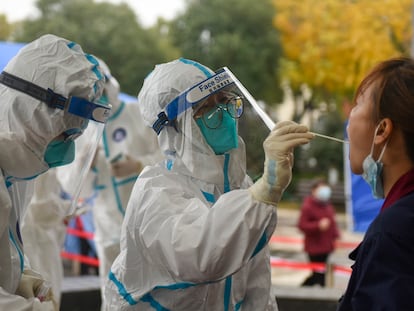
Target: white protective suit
43, 230
27, 126
125, 134
193, 236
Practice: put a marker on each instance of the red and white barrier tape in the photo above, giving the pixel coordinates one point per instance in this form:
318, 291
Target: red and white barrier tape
91, 261
296, 265
295, 240
274, 261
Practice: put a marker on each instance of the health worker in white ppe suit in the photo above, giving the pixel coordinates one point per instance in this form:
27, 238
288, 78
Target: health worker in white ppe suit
196, 229
127, 145
46, 92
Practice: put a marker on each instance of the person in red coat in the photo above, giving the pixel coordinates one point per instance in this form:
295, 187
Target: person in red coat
317, 222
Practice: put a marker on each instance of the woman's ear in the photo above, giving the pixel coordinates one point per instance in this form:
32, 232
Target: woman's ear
384, 131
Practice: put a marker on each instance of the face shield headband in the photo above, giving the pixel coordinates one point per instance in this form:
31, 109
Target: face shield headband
222, 79
74, 105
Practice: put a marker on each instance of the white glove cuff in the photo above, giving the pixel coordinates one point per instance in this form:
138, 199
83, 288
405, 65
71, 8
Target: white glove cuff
261, 191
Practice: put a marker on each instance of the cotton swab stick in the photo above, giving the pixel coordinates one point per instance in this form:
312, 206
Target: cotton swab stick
329, 137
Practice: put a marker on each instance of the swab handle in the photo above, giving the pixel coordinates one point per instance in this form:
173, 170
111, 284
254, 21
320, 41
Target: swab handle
329, 137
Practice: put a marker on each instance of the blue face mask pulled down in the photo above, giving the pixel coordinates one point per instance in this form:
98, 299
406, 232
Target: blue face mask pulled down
372, 172
373, 176
60, 153
222, 138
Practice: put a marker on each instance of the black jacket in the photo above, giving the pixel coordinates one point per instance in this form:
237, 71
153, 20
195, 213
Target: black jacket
383, 272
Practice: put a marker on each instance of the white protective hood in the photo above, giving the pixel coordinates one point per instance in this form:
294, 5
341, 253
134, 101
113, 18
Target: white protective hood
27, 125
184, 142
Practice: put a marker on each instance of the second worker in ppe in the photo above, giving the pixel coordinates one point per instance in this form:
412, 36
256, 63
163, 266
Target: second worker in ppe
196, 228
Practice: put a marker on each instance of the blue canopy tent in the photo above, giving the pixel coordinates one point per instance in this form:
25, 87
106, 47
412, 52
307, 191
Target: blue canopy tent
127, 98
9, 49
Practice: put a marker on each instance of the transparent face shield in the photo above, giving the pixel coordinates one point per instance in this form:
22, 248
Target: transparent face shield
213, 106
76, 178
75, 148
254, 127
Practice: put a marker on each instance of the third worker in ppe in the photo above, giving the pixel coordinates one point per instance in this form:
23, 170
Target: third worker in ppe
127, 145
46, 92
196, 228
43, 230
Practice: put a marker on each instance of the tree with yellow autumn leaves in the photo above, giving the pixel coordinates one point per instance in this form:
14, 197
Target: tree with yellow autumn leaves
330, 45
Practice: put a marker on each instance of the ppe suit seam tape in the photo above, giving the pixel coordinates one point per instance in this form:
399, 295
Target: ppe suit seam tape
122, 290
198, 66
227, 292
225, 172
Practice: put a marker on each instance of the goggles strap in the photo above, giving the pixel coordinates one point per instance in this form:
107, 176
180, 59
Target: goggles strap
160, 123
49, 97
163, 121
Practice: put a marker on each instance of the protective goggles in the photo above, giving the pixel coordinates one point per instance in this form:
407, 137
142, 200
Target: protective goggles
211, 112
218, 94
74, 105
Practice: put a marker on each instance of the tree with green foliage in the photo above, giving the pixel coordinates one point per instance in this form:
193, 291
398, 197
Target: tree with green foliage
327, 153
235, 33
109, 31
5, 28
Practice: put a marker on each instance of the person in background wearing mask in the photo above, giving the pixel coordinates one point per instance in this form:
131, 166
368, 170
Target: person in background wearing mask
381, 149
127, 146
47, 92
317, 222
196, 229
